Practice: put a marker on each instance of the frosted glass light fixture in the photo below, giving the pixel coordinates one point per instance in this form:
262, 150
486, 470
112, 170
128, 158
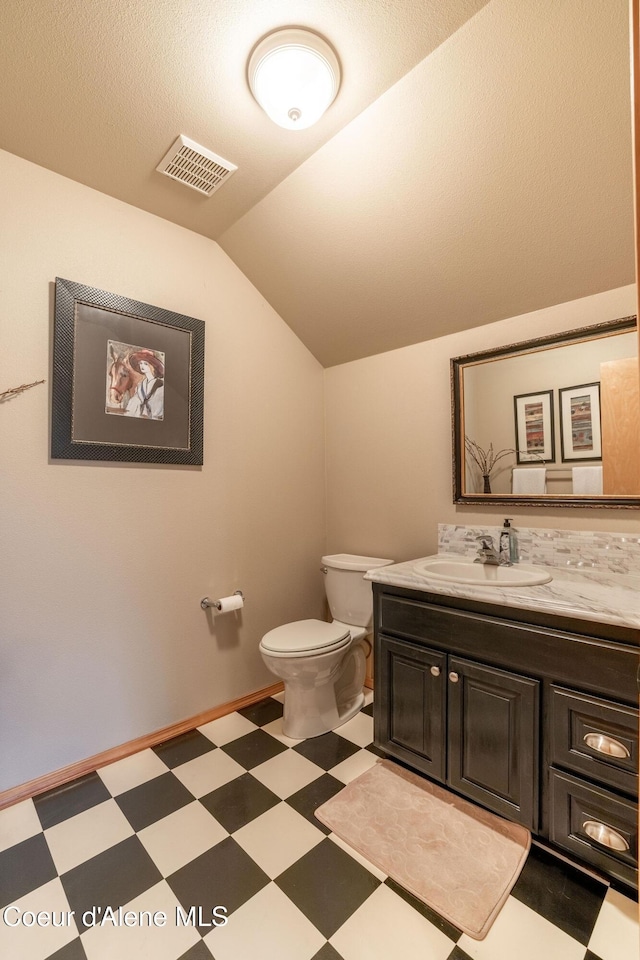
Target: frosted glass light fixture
294, 75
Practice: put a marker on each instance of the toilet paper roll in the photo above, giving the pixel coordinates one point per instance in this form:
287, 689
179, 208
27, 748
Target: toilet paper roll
227, 604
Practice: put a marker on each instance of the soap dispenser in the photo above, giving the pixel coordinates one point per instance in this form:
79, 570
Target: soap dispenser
508, 543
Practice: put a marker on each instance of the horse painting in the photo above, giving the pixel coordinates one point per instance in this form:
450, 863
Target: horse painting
122, 379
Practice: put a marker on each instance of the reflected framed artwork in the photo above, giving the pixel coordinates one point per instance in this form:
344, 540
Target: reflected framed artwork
535, 441
127, 380
580, 434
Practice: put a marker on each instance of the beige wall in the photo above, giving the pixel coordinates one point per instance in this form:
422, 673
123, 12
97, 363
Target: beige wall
388, 426
102, 566
101, 634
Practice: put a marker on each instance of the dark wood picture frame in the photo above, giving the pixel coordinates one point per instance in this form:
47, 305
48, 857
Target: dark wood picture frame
571, 430
546, 427
87, 324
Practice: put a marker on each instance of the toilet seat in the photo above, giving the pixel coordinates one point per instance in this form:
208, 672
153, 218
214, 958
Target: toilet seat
306, 638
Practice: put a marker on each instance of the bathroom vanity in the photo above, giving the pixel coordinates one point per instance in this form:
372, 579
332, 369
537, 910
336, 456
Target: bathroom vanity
519, 699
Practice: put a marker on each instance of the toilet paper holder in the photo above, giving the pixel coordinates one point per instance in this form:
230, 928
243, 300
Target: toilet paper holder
205, 603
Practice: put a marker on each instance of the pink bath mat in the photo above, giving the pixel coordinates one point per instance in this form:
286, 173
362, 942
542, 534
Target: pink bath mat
459, 859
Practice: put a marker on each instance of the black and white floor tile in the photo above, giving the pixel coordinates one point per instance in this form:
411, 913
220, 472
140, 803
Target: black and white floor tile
143, 858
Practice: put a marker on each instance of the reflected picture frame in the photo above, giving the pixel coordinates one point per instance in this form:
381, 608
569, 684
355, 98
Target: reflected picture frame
580, 430
154, 412
534, 427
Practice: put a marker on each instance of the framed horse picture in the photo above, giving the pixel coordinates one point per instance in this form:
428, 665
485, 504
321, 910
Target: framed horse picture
127, 380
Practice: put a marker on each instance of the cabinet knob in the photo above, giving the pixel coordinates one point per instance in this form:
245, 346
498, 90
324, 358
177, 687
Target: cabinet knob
601, 743
435, 671
453, 677
605, 835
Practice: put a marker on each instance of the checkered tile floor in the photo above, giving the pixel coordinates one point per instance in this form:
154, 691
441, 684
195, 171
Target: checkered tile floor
223, 817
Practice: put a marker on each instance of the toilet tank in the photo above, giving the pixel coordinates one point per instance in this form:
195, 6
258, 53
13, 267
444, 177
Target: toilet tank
349, 594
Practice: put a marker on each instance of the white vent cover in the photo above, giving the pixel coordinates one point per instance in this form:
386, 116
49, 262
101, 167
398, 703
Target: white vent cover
195, 166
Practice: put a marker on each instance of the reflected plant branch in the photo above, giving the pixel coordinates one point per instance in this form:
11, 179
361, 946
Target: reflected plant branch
485, 459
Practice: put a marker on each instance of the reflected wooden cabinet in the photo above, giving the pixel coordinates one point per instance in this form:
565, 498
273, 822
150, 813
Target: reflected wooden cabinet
620, 422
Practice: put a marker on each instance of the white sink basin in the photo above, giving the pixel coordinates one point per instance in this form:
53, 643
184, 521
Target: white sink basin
464, 570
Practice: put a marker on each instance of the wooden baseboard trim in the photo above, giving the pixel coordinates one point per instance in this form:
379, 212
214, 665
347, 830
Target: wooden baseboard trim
82, 767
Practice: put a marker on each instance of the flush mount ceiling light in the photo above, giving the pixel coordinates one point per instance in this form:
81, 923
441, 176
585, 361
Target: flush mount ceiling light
294, 75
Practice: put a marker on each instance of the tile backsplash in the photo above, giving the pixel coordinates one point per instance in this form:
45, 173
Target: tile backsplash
581, 549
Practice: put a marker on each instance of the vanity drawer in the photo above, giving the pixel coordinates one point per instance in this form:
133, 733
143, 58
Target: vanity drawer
594, 737
596, 825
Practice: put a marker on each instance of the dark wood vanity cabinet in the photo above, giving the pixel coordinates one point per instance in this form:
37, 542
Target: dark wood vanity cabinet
534, 722
465, 724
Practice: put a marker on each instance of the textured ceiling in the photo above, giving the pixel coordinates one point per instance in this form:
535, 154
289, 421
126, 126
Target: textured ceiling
475, 165
98, 91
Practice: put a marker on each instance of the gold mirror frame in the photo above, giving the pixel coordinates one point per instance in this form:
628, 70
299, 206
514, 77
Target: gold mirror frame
458, 366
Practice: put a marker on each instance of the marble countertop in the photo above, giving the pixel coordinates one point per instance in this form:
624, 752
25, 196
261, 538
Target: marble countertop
586, 594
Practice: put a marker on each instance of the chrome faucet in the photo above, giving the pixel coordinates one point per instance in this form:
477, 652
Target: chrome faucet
487, 553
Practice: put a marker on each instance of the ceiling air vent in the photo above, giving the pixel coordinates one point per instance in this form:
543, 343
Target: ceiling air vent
195, 166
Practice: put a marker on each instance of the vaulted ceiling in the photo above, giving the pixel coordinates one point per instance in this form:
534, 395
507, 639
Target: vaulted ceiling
475, 165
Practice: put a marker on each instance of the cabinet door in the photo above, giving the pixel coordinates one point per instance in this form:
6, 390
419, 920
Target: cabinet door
493, 739
409, 707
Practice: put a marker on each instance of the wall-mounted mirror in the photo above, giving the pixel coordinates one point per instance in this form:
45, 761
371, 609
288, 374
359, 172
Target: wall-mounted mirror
552, 421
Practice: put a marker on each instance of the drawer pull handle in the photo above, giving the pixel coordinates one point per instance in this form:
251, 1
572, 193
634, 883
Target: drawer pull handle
601, 743
453, 677
605, 835
435, 671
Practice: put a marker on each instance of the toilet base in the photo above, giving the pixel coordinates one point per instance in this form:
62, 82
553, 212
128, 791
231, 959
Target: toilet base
317, 701
301, 724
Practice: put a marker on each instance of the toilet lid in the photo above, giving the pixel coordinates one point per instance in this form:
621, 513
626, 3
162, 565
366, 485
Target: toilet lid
306, 636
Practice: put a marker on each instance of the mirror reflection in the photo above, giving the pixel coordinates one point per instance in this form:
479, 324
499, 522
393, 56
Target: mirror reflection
555, 420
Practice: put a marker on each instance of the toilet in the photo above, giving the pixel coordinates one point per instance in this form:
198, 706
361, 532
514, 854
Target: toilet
323, 664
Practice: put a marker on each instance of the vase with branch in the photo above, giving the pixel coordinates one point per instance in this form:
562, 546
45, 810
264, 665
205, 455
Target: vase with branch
486, 460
